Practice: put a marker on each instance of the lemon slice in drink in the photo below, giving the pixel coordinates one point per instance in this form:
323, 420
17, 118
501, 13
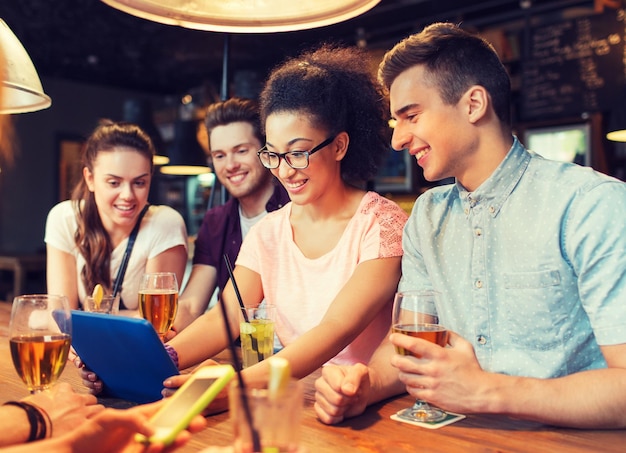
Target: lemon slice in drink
97, 295
279, 376
245, 328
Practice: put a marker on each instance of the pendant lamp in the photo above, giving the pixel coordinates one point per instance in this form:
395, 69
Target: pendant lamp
21, 88
186, 155
245, 16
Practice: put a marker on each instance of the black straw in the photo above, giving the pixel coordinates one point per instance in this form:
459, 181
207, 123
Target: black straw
256, 443
232, 279
253, 340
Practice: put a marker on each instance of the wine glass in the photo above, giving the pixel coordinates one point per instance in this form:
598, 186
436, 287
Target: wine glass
40, 335
158, 300
415, 314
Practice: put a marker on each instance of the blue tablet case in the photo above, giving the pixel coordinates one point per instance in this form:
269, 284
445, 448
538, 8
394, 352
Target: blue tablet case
126, 354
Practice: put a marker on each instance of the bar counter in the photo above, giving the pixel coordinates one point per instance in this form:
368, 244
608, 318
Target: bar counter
374, 431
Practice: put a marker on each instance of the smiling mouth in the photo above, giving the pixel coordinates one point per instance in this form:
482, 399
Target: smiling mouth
422, 153
294, 185
237, 178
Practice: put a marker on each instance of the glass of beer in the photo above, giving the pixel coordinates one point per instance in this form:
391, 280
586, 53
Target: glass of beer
415, 314
158, 300
40, 335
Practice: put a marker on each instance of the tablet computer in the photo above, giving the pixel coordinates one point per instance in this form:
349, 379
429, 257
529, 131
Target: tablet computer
126, 354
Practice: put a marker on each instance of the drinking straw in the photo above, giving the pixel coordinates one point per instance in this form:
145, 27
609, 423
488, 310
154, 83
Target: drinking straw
256, 443
232, 279
253, 340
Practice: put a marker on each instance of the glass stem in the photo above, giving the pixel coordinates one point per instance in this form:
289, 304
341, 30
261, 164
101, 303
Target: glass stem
420, 405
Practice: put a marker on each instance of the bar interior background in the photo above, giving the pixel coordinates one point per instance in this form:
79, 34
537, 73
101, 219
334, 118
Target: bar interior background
92, 59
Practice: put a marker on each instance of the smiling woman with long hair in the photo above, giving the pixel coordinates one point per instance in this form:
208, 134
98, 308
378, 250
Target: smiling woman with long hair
86, 236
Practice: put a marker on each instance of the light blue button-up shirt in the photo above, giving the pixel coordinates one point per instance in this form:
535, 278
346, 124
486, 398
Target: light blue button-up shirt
531, 265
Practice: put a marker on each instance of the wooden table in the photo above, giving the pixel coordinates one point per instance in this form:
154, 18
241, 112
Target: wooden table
375, 432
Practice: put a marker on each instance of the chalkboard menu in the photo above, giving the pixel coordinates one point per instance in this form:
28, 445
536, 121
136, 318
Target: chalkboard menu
574, 66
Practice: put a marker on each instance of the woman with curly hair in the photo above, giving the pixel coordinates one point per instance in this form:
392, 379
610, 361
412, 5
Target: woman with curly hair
87, 236
330, 259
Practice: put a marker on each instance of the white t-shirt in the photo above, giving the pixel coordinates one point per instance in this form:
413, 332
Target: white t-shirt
247, 222
161, 229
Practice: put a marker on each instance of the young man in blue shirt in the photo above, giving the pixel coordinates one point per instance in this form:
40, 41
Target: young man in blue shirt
529, 256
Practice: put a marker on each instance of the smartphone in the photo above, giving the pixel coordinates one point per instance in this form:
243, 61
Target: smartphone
188, 401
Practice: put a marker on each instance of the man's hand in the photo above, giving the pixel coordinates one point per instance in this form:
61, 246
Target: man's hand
341, 392
114, 430
450, 378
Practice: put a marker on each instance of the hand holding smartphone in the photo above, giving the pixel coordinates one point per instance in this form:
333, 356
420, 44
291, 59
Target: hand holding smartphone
188, 401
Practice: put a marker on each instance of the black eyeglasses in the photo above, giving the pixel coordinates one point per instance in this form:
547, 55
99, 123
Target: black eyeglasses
298, 160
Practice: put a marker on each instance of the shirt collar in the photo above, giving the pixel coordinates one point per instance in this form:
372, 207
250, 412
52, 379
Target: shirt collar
497, 188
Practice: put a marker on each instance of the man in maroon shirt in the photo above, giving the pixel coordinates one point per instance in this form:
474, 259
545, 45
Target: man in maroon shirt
235, 136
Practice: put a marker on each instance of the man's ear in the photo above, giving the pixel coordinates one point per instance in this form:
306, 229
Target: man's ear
478, 101
341, 142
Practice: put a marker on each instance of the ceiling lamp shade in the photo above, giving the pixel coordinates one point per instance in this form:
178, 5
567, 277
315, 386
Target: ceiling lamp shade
245, 16
186, 155
21, 88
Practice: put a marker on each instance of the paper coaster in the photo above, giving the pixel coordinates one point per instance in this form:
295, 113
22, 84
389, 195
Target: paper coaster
451, 417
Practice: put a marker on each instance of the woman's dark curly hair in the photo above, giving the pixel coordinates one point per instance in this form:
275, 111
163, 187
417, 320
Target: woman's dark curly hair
334, 86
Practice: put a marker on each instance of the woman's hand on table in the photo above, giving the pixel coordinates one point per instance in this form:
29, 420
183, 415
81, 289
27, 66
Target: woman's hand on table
173, 383
66, 408
341, 392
